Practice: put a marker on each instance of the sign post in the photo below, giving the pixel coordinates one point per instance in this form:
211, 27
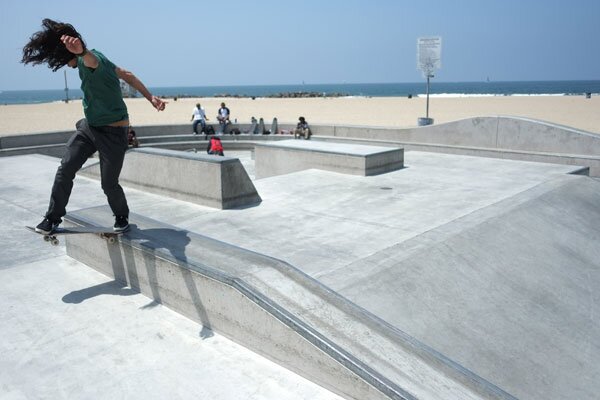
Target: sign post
429, 58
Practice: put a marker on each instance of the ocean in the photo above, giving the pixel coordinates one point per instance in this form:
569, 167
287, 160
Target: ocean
437, 89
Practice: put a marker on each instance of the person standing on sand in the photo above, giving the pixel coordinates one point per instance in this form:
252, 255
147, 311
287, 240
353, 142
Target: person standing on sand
106, 123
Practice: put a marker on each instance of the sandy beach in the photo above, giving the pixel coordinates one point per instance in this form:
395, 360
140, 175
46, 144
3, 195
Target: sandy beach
573, 111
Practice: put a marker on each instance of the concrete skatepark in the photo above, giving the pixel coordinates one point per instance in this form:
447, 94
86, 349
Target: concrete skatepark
453, 276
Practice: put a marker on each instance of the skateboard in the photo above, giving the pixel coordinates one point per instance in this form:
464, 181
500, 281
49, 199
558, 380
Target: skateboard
105, 233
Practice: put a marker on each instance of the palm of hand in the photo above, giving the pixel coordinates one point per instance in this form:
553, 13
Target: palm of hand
72, 44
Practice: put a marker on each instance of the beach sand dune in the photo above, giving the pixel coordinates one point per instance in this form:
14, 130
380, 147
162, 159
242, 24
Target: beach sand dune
573, 111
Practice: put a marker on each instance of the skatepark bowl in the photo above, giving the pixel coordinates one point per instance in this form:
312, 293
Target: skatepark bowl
452, 261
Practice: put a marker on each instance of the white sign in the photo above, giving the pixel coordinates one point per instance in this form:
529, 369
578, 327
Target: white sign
429, 54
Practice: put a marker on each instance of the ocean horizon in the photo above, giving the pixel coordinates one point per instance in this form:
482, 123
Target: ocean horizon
415, 89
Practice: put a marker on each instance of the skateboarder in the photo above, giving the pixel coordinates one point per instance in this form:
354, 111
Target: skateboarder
104, 128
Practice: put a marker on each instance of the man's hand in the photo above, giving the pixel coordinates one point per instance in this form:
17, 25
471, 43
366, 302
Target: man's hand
158, 103
72, 44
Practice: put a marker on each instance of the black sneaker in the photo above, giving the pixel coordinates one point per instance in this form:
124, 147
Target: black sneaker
121, 224
46, 226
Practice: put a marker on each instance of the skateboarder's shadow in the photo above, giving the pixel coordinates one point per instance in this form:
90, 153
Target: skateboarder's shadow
114, 288
172, 240
157, 240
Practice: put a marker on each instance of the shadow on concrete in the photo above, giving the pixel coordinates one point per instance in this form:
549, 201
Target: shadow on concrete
155, 242
114, 288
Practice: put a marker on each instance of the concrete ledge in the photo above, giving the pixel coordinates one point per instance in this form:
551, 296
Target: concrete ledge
53, 150
511, 133
590, 165
35, 139
224, 138
272, 308
296, 155
219, 182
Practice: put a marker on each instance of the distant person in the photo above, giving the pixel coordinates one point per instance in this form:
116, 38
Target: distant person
106, 123
199, 117
132, 139
302, 129
215, 146
223, 117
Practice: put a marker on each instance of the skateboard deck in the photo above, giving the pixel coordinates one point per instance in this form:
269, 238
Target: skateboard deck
105, 233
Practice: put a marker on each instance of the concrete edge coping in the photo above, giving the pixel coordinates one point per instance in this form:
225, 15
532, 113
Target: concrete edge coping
226, 137
438, 145
185, 155
25, 148
496, 117
383, 384
376, 150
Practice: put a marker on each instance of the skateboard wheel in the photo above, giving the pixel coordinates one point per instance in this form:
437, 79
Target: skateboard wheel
55, 242
46, 238
111, 240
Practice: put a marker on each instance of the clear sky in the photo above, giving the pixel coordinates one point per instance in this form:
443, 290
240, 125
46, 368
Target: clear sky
263, 42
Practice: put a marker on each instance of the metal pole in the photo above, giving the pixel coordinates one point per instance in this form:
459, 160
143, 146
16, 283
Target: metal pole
427, 112
66, 88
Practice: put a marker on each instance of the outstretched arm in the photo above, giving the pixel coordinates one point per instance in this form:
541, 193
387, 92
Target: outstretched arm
131, 79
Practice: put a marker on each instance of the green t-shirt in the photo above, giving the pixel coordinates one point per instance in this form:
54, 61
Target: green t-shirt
102, 99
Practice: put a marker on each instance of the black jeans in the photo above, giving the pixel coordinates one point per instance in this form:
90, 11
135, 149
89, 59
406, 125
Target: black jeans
111, 144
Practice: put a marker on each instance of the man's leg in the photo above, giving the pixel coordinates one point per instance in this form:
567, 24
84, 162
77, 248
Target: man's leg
112, 144
195, 126
79, 148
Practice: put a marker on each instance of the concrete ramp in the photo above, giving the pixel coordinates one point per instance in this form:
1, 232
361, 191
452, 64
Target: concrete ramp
274, 309
509, 292
219, 182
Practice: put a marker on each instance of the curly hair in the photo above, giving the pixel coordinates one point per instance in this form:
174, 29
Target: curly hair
45, 46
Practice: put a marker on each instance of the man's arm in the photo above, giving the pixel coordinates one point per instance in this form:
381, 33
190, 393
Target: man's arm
75, 46
131, 79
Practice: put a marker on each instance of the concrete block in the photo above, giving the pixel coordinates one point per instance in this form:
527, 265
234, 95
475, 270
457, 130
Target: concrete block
296, 155
219, 182
36, 139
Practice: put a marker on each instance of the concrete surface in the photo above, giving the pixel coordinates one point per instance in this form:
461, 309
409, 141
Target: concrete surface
475, 280
288, 156
69, 332
214, 181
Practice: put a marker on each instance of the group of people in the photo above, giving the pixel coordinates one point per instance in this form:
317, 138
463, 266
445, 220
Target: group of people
199, 118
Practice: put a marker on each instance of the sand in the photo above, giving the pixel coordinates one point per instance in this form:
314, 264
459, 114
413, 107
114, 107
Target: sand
573, 111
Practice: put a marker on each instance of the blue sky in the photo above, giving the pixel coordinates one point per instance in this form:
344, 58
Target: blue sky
262, 42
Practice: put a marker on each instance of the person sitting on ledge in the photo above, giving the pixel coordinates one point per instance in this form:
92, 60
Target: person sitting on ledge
223, 118
199, 117
302, 129
132, 138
